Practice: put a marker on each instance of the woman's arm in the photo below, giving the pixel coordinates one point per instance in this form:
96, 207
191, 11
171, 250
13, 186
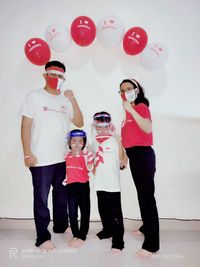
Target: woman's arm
144, 124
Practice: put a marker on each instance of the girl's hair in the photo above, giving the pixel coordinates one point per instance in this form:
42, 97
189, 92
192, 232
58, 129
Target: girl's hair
102, 116
76, 133
140, 96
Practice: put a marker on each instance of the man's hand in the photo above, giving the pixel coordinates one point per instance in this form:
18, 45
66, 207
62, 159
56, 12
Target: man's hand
69, 94
30, 161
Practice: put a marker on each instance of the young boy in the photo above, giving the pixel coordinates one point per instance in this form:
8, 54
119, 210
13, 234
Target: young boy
108, 154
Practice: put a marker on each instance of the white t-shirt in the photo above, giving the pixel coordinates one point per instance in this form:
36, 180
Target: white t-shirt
107, 176
51, 116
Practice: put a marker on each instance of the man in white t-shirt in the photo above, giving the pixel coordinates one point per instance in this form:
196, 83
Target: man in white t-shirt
46, 117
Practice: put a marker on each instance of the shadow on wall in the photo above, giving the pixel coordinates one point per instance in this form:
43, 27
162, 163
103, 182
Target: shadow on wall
177, 146
28, 75
153, 82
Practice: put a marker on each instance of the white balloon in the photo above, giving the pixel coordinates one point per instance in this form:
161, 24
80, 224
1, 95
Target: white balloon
154, 56
110, 31
58, 37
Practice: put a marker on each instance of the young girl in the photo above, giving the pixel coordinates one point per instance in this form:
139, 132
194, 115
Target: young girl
78, 165
137, 139
107, 183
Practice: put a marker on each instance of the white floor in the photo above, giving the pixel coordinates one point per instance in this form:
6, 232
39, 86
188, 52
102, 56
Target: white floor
180, 246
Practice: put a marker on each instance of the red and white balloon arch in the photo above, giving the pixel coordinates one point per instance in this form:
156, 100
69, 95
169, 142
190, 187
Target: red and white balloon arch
110, 33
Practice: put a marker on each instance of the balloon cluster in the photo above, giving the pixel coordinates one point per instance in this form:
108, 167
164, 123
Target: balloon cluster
110, 33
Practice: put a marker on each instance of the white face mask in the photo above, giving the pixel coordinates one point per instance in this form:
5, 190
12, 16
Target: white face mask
131, 96
60, 84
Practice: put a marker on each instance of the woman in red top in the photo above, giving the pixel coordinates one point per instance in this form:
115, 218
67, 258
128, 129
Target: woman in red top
137, 140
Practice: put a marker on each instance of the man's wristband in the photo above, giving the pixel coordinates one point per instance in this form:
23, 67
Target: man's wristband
27, 157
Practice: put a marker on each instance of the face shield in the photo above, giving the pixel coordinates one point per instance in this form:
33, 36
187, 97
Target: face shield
76, 140
102, 125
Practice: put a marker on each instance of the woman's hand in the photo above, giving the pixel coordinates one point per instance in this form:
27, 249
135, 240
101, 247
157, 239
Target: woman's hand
127, 106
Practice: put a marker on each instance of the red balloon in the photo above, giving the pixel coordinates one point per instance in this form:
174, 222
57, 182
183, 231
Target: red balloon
83, 31
135, 40
37, 51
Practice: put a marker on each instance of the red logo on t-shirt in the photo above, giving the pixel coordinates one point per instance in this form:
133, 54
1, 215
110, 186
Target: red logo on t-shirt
45, 108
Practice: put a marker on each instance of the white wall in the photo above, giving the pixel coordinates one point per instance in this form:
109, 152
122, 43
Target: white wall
94, 74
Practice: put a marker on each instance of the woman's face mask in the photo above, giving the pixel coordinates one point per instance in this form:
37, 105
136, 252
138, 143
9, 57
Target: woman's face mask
128, 92
131, 96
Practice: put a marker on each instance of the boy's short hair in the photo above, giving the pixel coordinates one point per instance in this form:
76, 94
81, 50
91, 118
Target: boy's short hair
102, 116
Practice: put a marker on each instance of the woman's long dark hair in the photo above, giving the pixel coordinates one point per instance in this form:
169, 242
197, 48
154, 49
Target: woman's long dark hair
140, 97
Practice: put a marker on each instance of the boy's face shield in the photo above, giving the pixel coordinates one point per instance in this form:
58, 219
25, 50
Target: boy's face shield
102, 128
102, 125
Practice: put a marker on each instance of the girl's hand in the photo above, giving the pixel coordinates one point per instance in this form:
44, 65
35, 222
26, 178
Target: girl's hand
89, 149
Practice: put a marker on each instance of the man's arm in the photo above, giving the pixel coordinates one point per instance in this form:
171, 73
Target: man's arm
29, 158
77, 119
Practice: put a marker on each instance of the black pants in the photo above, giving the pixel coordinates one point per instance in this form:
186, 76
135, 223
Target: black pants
109, 205
142, 165
42, 178
79, 197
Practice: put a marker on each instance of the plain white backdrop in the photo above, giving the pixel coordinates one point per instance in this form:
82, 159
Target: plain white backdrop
94, 74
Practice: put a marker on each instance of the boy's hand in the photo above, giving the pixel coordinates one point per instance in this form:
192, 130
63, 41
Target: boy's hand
123, 163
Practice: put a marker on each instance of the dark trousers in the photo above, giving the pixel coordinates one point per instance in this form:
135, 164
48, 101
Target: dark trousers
42, 178
79, 197
142, 164
109, 206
